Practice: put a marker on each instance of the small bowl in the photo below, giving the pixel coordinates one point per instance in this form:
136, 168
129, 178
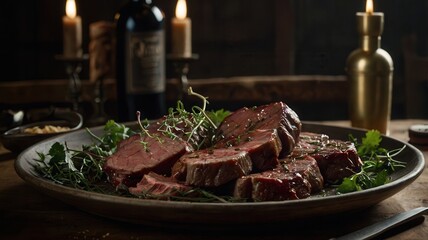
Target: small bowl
16, 140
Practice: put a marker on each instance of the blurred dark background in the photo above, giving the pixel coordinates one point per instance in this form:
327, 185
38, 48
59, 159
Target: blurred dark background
232, 38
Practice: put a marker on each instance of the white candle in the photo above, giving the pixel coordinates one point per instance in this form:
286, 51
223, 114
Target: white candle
181, 31
72, 25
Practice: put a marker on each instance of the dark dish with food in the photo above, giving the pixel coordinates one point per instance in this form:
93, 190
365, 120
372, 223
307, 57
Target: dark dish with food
250, 155
19, 138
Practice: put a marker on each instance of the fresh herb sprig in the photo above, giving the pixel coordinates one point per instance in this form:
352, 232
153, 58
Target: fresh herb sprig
197, 126
81, 169
378, 164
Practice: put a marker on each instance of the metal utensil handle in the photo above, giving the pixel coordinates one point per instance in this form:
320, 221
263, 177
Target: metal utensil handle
378, 228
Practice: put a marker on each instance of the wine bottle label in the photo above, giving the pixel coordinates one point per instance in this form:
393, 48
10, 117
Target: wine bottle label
145, 62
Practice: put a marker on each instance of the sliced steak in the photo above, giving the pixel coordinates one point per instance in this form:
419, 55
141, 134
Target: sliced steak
139, 155
211, 168
308, 168
273, 185
336, 159
263, 146
272, 116
157, 186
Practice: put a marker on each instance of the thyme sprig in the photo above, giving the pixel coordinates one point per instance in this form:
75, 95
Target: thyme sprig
197, 126
378, 164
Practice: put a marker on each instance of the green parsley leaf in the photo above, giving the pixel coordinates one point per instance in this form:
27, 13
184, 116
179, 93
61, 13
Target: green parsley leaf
114, 133
381, 178
369, 143
347, 186
57, 153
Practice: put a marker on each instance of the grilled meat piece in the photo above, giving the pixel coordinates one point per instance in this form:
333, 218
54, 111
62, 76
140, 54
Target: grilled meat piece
139, 155
159, 187
211, 168
273, 185
263, 147
336, 159
267, 117
308, 168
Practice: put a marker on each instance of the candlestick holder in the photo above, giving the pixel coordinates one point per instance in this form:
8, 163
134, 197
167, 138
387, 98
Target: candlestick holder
370, 72
181, 66
99, 116
73, 66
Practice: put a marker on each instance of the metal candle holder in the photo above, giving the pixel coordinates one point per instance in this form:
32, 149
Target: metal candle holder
73, 66
370, 72
99, 116
181, 67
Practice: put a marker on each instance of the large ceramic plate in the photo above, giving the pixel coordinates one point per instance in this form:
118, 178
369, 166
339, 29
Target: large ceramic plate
156, 212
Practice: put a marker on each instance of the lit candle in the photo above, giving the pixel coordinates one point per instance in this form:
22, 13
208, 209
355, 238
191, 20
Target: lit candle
369, 7
181, 31
72, 25
370, 24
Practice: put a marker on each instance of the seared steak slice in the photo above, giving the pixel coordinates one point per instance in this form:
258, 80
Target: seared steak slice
336, 159
308, 168
211, 168
139, 155
263, 146
273, 185
272, 116
158, 186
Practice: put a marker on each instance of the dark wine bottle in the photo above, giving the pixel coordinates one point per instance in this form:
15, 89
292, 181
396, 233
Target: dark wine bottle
140, 60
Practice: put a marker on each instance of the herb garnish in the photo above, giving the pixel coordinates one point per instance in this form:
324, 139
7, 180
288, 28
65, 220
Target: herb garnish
81, 169
197, 126
378, 163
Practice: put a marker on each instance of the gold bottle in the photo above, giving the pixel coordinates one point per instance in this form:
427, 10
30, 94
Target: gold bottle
370, 70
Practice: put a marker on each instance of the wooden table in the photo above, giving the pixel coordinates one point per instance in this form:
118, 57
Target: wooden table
28, 214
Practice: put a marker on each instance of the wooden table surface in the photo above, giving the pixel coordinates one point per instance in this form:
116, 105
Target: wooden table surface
26, 213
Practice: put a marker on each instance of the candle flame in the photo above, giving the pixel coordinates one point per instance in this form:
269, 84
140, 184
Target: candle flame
369, 6
181, 9
70, 8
